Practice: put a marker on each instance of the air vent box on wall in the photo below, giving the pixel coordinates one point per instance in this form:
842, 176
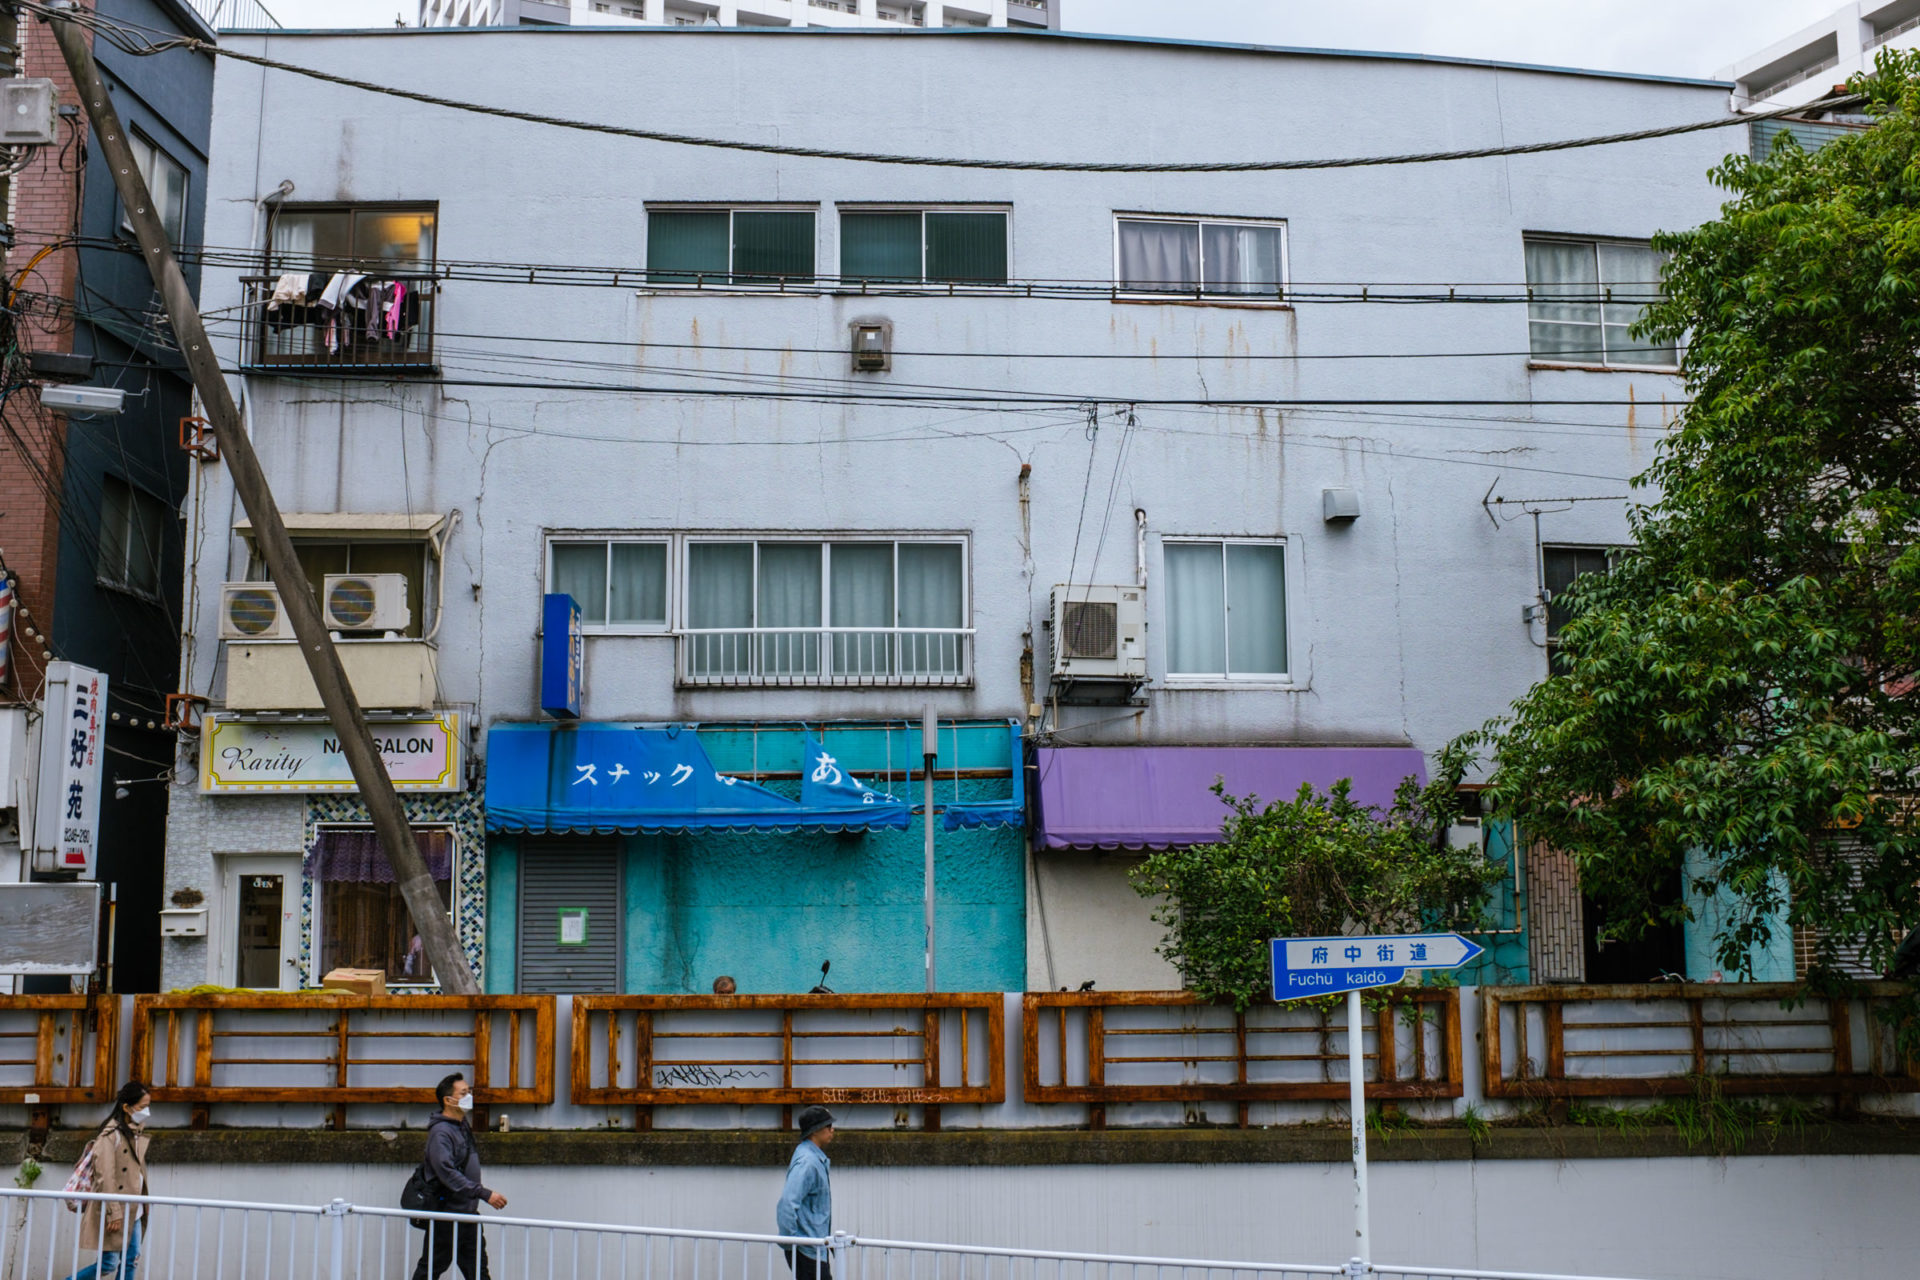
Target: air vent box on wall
1099, 634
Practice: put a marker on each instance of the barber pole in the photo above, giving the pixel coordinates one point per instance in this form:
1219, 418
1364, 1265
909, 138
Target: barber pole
6, 630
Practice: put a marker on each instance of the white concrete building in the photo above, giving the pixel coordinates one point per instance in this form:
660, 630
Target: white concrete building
812, 442
1030, 14
1806, 64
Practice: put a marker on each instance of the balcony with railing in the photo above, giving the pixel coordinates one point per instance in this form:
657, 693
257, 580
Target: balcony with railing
384, 334
909, 657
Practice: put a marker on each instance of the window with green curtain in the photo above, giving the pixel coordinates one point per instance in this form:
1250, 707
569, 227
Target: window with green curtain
685, 245
880, 246
771, 247
967, 246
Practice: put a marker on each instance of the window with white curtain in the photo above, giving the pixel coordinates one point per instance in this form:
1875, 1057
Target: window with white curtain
620, 584
1203, 256
1583, 297
1226, 609
827, 610
166, 180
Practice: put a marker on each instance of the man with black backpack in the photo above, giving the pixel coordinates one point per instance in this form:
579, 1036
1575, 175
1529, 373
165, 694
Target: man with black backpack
452, 1172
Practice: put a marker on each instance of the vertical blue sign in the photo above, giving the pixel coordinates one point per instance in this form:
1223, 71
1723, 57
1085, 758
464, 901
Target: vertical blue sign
563, 657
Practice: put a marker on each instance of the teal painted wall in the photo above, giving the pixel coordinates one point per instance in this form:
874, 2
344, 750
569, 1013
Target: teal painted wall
768, 908
1505, 961
503, 914
1773, 963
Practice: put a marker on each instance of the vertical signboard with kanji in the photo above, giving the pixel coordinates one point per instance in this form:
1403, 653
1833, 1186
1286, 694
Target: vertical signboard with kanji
66, 819
562, 657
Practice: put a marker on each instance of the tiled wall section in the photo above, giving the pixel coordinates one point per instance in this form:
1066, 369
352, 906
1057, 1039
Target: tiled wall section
1558, 934
201, 830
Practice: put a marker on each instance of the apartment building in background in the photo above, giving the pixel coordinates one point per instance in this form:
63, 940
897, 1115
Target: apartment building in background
1016, 14
1802, 67
650, 545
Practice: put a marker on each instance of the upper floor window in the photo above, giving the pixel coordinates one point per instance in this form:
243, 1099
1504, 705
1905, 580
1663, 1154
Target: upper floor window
1226, 609
166, 181
843, 611
619, 583
133, 533
1560, 566
1201, 256
1584, 295
920, 245
380, 239
730, 246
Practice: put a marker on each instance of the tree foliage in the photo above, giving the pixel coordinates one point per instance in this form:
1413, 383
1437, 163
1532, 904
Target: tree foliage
1741, 685
1316, 865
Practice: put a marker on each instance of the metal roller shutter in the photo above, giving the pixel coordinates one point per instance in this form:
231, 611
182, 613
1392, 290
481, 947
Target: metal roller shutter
559, 880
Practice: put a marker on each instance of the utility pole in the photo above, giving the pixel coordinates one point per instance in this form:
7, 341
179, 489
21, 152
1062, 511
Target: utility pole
410, 872
929, 748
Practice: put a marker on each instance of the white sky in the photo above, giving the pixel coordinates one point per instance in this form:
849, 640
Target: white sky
1669, 37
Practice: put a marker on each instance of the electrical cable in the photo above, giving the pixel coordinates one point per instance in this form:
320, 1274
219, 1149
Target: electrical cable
128, 41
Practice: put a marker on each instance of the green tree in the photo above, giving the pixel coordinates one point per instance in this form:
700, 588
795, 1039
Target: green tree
1316, 865
1740, 686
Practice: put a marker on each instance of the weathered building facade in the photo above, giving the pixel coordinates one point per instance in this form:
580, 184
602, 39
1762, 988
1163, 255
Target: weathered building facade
811, 443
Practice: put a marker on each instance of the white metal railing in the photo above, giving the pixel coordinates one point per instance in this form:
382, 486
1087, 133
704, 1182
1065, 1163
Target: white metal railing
1798, 77
1897, 29
187, 1239
913, 656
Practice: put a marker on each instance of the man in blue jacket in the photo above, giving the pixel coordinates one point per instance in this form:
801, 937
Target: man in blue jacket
454, 1163
806, 1202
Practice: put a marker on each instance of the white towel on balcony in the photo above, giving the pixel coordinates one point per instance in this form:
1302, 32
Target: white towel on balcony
290, 289
334, 295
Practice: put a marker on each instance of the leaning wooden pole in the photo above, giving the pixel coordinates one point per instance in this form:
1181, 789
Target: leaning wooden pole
430, 918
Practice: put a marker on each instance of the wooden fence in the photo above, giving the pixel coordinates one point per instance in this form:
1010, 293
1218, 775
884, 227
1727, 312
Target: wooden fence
903, 1050
334, 1049
66, 1049
1106, 1047
1659, 1040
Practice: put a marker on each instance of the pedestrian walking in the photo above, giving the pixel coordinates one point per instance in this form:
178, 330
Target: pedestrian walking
806, 1202
453, 1164
113, 1228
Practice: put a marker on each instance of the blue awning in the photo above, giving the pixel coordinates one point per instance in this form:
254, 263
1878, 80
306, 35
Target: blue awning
549, 779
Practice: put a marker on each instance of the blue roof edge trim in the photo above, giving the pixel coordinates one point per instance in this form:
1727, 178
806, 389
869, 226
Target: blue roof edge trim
1091, 37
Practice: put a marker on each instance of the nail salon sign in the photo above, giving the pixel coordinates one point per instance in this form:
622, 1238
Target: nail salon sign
255, 756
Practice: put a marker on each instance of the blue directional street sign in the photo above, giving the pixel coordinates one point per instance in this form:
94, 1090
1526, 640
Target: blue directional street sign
1329, 966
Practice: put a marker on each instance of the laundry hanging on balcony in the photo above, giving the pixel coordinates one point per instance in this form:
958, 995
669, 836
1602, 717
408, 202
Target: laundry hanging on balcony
351, 308
598, 777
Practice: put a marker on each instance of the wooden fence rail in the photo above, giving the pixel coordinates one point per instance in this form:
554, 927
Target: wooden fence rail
57, 1049
1105, 1047
1658, 1040
784, 1050
334, 1048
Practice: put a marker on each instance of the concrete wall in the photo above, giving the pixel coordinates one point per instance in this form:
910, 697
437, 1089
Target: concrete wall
1750, 1218
1405, 626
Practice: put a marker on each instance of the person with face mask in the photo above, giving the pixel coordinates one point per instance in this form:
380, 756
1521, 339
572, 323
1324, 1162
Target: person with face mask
453, 1161
108, 1227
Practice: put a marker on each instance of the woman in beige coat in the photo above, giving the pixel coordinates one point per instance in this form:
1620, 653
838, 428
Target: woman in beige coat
113, 1228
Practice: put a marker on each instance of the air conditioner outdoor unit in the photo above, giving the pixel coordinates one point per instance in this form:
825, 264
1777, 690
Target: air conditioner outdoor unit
365, 602
252, 611
1100, 633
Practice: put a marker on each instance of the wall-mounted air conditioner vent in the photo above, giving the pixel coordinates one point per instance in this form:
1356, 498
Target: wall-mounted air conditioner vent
1099, 633
252, 611
365, 602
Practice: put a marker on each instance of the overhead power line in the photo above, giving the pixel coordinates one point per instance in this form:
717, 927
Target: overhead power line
133, 42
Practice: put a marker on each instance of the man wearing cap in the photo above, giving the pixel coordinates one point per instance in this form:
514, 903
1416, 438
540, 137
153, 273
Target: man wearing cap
806, 1202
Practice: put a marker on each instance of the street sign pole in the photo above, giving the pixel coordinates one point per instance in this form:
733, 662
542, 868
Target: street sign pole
1357, 1105
1308, 967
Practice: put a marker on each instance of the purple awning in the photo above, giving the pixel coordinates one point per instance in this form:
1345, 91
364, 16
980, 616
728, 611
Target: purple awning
357, 855
1161, 797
